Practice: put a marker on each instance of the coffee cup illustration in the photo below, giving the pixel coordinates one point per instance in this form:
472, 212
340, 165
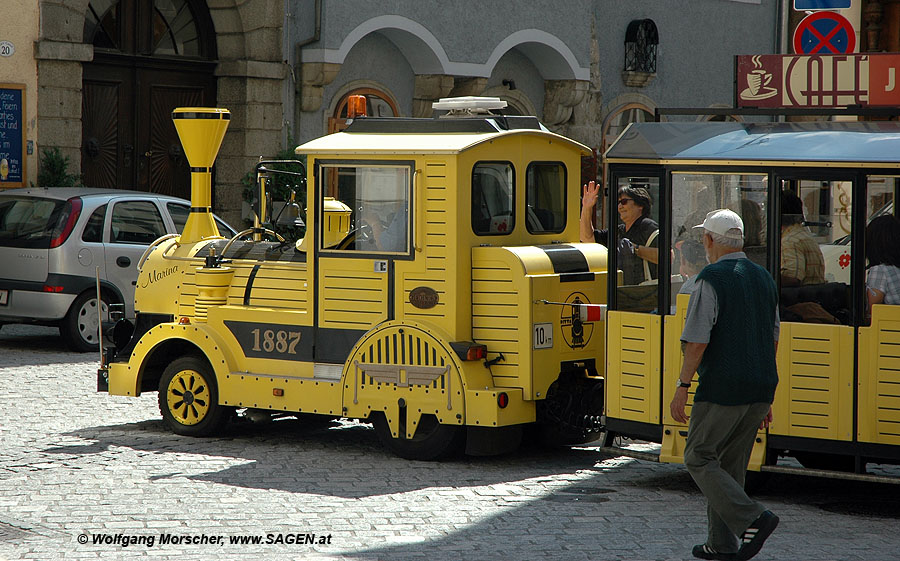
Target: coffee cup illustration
757, 79
4, 169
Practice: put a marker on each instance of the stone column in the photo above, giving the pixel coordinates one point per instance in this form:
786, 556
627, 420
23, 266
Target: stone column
59, 96
560, 98
890, 30
463, 86
872, 14
252, 92
314, 76
428, 89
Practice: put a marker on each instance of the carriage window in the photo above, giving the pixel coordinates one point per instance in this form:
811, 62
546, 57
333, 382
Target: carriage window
882, 252
637, 243
694, 195
370, 212
492, 198
545, 198
815, 257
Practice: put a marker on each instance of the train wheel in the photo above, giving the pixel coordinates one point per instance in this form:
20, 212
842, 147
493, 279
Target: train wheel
188, 398
432, 440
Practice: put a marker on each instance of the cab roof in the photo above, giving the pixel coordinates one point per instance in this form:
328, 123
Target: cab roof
427, 136
838, 143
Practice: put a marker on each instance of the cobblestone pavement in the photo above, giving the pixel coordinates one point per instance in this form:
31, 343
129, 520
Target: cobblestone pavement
78, 466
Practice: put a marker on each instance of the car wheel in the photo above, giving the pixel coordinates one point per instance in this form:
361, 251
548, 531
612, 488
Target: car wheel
79, 328
189, 398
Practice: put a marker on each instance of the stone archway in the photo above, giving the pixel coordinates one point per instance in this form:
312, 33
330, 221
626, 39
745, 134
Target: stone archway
149, 58
249, 81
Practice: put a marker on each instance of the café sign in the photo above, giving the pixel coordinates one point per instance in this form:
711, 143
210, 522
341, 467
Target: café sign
786, 81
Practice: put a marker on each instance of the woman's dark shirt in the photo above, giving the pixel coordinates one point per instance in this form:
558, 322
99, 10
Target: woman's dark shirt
632, 266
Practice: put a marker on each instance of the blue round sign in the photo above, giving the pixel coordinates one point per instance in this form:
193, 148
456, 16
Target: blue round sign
824, 33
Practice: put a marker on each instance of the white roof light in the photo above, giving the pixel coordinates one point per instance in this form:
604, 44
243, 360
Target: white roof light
468, 104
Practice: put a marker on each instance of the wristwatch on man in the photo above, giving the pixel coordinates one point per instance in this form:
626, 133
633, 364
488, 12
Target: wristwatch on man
680, 384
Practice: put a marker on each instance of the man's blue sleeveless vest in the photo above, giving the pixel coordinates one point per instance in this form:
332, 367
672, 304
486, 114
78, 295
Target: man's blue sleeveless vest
738, 366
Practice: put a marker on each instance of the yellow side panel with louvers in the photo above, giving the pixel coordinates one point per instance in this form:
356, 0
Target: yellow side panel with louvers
501, 315
879, 377
275, 285
815, 382
633, 366
435, 252
353, 293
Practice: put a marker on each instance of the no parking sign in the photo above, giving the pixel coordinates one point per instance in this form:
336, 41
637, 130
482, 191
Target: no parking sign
827, 33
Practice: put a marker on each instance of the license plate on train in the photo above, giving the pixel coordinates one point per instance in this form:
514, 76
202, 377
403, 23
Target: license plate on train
4, 297
543, 336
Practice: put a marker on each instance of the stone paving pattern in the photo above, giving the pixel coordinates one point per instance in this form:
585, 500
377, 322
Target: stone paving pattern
74, 461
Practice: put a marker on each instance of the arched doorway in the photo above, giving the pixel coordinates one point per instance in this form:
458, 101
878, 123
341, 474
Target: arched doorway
150, 56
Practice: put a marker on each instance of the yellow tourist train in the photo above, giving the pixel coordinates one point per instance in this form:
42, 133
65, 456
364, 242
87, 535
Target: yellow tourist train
441, 292
837, 406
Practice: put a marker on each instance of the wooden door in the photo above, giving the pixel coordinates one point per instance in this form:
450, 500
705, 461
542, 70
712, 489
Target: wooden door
108, 135
162, 166
149, 58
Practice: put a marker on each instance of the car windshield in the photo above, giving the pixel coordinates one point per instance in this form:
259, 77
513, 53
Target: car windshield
28, 221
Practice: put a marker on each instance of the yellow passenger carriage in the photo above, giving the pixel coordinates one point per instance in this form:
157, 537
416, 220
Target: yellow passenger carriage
439, 291
837, 407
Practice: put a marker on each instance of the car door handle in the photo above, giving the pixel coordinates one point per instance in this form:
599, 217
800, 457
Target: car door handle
123, 261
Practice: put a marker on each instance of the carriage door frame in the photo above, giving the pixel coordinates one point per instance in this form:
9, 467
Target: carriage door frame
828, 418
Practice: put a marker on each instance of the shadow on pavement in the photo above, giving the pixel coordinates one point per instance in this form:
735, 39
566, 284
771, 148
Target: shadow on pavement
569, 497
37, 346
343, 459
576, 503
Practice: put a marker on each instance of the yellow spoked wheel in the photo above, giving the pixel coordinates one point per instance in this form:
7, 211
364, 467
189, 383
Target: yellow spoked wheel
188, 398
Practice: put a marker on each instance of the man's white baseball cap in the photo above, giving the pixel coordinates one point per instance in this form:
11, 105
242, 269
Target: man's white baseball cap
724, 222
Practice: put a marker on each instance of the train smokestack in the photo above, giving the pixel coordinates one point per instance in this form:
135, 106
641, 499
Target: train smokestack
201, 130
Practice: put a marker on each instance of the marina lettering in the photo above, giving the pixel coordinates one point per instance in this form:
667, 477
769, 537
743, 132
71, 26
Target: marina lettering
155, 275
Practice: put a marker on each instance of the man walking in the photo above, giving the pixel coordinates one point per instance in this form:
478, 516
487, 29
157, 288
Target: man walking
729, 338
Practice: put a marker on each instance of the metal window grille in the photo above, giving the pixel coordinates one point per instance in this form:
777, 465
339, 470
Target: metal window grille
641, 43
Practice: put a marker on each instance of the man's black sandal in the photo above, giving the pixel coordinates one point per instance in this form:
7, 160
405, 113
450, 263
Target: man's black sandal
703, 551
755, 536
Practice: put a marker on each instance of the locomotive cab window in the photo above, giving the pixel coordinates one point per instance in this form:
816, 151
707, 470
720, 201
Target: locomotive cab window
492, 198
545, 197
369, 211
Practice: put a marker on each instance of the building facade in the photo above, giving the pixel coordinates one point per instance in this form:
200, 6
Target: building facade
105, 74
18, 96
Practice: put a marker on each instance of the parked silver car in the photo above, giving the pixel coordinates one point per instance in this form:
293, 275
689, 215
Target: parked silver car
53, 239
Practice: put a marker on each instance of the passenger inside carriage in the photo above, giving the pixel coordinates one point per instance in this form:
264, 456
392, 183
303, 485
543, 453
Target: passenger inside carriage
692, 260
636, 234
806, 297
801, 259
883, 254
